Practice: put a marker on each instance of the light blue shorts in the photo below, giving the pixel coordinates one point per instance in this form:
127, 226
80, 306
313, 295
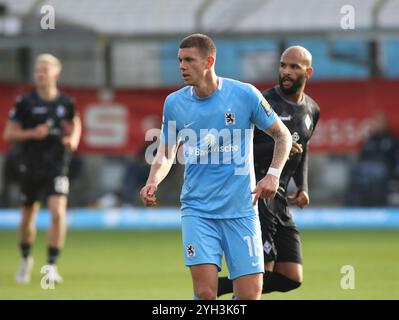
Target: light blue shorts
205, 240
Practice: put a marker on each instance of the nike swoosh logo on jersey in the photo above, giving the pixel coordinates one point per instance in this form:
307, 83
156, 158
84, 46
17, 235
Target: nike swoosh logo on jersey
254, 264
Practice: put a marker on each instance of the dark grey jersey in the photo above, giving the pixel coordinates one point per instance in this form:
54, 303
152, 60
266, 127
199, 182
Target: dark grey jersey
47, 157
301, 120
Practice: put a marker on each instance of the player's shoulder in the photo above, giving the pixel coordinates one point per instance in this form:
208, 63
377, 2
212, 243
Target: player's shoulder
65, 99
227, 82
271, 93
273, 97
176, 99
243, 88
25, 97
184, 92
312, 104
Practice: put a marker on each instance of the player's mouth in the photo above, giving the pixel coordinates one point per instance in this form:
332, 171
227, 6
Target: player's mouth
287, 82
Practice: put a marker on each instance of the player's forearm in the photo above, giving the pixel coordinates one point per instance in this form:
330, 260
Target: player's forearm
162, 164
76, 132
16, 134
159, 171
282, 144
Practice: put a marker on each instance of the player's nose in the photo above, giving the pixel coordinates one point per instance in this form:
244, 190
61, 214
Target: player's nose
286, 72
182, 65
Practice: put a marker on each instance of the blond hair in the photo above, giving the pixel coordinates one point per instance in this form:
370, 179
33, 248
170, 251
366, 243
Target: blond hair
49, 58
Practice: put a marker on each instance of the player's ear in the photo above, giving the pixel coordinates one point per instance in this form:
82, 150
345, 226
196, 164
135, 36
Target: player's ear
309, 72
211, 61
57, 75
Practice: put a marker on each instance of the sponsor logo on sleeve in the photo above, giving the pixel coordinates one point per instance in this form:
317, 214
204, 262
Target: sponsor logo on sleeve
267, 107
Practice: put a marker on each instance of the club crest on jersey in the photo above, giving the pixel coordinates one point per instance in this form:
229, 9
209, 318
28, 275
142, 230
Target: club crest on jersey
267, 247
190, 251
308, 122
60, 111
230, 118
267, 107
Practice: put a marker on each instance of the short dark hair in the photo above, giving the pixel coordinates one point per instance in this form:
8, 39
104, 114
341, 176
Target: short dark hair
201, 41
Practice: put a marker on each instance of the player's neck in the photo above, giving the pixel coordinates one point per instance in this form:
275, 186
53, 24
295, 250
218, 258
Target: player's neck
47, 93
296, 97
208, 86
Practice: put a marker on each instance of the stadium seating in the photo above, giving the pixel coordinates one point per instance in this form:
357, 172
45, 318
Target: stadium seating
176, 16
19, 8
389, 14
129, 17
300, 15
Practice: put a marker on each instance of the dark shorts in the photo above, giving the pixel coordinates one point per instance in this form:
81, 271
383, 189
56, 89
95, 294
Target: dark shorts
33, 190
280, 236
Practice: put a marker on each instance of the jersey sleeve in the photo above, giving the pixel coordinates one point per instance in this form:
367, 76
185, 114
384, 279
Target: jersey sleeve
169, 129
301, 173
316, 116
262, 114
71, 111
18, 111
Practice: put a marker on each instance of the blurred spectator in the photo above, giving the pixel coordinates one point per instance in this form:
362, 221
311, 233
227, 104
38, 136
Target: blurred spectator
137, 168
376, 169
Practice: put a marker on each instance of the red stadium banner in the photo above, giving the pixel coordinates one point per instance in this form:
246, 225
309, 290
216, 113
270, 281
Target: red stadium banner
347, 108
118, 126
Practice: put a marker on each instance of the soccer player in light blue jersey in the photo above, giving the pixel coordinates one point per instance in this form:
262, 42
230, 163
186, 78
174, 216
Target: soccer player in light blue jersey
212, 119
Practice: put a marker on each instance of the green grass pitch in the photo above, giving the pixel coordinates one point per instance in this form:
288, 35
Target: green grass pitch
149, 265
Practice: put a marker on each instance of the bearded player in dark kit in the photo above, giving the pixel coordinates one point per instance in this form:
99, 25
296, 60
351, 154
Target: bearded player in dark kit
300, 113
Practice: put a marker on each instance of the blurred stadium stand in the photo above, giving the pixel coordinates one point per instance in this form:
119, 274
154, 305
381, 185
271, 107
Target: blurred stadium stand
128, 48
169, 219
143, 17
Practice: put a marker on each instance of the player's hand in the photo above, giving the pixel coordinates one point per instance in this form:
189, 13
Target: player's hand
296, 148
147, 195
68, 143
266, 188
66, 127
299, 198
40, 132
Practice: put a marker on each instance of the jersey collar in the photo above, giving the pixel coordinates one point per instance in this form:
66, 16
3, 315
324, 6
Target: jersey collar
220, 85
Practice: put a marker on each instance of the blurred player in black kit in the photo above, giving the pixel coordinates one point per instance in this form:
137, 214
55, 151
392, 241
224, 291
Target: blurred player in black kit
48, 129
300, 113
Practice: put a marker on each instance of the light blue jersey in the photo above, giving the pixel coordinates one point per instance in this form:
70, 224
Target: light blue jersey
217, 132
